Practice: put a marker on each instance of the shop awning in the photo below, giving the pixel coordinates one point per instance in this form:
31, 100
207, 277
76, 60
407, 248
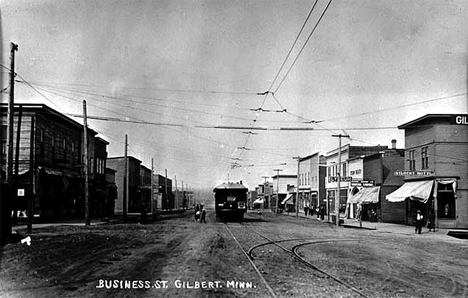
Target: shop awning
415, 190
366, 195
288, 197
258, 201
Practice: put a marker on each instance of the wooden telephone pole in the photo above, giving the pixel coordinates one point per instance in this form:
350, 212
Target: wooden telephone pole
277, 188
337, 197
297, 188
86, 164
125, 182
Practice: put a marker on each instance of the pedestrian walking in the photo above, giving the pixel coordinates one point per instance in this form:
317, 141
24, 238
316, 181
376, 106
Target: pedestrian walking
431, 222
203, 216
306, 209
197, 213
419, 222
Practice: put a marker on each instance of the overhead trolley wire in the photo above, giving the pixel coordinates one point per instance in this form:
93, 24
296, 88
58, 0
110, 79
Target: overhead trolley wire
304, 45
266, 93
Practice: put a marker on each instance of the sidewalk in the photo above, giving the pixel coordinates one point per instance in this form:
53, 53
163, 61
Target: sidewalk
383, 227
75, 222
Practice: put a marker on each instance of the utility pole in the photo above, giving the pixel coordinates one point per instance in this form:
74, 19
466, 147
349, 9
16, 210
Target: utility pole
11, 112
17, 152
176, 193
183, 194
31, 178
152, 185
165, 191
125, 182
297, 188
337, 200
277, 188
86, 163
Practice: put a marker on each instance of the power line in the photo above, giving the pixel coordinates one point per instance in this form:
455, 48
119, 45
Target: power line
305, 43
156, 89
294, 43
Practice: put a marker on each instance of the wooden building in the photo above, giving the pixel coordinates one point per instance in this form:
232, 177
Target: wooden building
435, 172
53, 178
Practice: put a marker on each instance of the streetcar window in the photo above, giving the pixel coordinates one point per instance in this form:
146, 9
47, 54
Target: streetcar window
231, 198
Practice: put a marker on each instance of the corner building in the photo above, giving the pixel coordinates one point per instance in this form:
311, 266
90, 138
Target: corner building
436, 170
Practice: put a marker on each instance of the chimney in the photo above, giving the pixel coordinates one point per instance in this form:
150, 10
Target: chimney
393, 144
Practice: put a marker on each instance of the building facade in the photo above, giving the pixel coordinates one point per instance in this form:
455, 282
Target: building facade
163, 196
341, 172
312, 171
435, 172
49, 167
281, 188
132, 199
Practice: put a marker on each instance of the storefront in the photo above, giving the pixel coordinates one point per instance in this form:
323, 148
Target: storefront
438, 195
363, 203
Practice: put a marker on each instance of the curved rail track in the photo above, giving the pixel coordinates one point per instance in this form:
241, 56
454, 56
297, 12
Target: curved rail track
294, 253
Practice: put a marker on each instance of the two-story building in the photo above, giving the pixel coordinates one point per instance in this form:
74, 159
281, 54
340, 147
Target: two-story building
130, 176
435, 172
144, 189
163, 197
341, 175
372, 178
54, 176
312, 172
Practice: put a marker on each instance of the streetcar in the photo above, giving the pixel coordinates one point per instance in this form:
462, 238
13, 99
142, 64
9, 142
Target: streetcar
230, 201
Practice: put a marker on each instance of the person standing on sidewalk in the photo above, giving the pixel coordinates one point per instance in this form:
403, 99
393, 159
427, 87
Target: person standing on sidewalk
419, 222
431, 223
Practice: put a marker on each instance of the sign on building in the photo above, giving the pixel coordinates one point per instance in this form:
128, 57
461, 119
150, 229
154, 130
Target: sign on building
459, 119
364, 183
414, 173
335, 179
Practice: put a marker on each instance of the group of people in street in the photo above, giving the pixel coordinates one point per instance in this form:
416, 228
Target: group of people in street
315, 210
200, 213
419, 221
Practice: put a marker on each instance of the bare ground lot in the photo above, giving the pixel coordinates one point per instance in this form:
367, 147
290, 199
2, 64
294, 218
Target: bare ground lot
94, 261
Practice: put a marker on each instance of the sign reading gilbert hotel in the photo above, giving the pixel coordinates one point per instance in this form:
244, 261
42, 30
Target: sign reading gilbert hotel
459, 119
414, 173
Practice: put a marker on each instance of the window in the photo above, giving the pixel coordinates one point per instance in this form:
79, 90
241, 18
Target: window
41, 140
53, 146
424, 158
64, 147
345, 173
411, 161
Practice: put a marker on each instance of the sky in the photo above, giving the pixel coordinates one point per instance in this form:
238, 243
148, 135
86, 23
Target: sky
186, 80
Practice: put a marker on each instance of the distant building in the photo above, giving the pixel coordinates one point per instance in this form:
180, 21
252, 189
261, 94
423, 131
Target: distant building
282, 194
162, 193
312, 171
111, 192
435, 171
144, 189
133, 203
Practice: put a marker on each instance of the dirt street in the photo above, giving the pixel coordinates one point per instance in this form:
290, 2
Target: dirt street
177, 257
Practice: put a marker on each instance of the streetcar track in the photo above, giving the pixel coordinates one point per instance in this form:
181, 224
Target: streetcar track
293, 252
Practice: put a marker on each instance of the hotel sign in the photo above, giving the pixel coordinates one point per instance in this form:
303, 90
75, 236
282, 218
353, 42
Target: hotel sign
414, 173
459, 119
